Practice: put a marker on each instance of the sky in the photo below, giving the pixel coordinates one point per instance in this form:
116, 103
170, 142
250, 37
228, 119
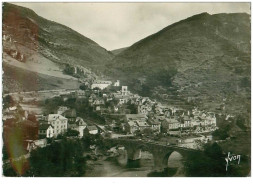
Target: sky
118, 25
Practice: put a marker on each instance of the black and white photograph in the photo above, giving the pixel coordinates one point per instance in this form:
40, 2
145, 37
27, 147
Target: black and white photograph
126, 89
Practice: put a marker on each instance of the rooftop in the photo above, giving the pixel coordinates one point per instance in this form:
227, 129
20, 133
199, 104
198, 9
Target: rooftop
92, 128
102, 82
44, 126
171, 120
52, 117
135, 116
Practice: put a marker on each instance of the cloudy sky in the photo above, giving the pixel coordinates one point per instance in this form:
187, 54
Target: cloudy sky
117, 25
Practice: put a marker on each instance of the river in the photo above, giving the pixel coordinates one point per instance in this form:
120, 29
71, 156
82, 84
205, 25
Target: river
119, 167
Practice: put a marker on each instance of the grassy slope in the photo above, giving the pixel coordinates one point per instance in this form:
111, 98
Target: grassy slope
17, 79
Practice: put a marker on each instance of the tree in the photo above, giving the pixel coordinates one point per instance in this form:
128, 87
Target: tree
63, 158
72, 133
138, 133
132, 107
8, 101
69, 70
148, 132
240, 122
209, 164
83, 87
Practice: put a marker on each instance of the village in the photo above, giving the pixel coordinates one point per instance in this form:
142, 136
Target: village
112, 111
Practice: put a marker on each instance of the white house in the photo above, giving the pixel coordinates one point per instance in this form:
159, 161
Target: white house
116, 84
91, 130
80, 126
58, 122
46, 130
100, 84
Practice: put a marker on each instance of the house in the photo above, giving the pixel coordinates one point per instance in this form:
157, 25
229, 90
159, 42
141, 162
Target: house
136, 122
58, 122
186, 122
124, 91
142, 125
131, 126
70, 115
160, 117
155, 125
80, 126
170, 124
116, 84
123, 100
46, 130
80, 94
100, 84
195, 122
33, 144
134, 117
144, 109
93, 130
98, 104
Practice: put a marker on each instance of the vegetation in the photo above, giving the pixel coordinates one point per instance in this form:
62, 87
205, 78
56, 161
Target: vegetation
240, 122
8, 101
221, 134
69, 70
83, 87
132, 107
71, 133
210, 164
64, 158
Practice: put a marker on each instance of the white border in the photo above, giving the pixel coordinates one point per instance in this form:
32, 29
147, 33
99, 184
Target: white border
124, 186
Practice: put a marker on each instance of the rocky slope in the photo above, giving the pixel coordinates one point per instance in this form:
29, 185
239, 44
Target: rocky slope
34, 43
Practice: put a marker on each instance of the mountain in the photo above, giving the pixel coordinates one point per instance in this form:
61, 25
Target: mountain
36, 44
204, 57
118, 51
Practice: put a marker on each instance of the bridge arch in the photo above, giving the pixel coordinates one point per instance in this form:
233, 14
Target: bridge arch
140, 156
162, 154
174, 159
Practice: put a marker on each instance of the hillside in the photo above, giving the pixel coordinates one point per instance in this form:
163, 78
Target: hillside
118, 51
204, 57
17, 79
34, 43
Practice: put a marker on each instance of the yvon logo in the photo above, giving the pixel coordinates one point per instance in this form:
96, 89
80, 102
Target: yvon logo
231, 158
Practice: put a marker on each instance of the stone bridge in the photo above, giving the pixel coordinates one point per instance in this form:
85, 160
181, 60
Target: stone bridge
161, 153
